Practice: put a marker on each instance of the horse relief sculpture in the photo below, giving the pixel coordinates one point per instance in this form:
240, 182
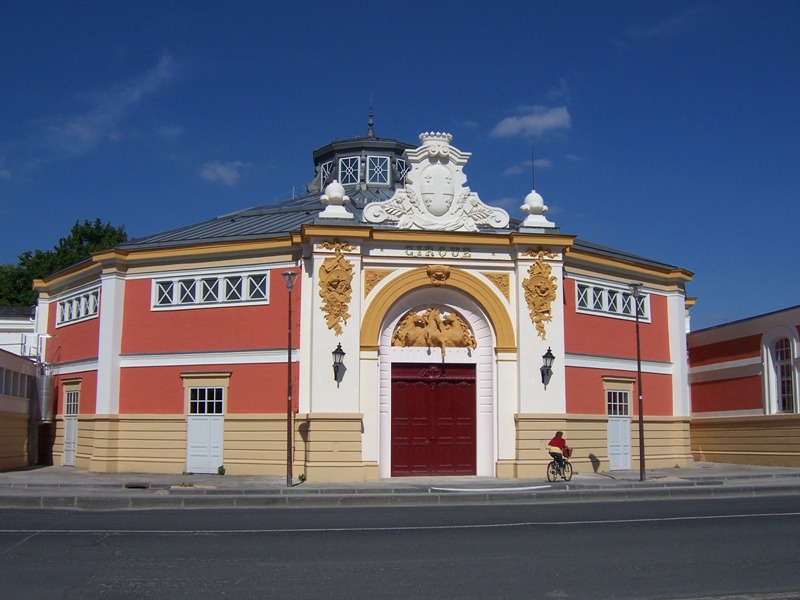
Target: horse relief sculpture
433, 328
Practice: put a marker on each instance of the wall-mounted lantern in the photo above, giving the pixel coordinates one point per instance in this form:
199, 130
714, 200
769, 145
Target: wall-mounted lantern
547, 366
338, 359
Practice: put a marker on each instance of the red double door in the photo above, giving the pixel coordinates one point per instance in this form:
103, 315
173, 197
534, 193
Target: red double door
433, 419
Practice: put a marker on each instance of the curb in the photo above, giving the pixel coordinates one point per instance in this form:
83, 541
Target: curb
164, 499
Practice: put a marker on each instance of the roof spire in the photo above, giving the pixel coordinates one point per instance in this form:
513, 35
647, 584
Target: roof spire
370, 122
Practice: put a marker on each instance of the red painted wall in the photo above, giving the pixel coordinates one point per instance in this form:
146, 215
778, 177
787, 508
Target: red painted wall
203, 329
609, 336
585, 393
78, 341
87, 404
252, 389
745, 347
729, 394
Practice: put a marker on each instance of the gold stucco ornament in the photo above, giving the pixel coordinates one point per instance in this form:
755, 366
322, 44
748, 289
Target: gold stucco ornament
540, 291
335, 289
433, 328
439, 274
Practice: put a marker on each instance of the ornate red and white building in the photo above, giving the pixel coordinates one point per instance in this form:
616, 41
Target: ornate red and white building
175, 352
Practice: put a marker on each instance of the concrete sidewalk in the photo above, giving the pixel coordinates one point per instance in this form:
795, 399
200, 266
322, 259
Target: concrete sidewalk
70, 488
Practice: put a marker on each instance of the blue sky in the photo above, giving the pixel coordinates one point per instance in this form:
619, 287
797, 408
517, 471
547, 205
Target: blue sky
666, 129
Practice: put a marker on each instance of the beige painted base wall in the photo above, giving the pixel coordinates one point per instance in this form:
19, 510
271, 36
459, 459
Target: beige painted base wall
327, 447
770, 440
666, 444
13, 441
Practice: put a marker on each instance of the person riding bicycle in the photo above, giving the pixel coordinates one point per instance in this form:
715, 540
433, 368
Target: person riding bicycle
559, 450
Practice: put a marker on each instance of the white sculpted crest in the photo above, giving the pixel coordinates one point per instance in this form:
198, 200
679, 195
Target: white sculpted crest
436, 196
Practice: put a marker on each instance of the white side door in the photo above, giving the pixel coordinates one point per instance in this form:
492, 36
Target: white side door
70, 428
619, 443
204, 444
205, 424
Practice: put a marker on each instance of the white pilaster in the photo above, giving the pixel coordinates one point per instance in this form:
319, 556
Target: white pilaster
112, 299
676, 312
535, 397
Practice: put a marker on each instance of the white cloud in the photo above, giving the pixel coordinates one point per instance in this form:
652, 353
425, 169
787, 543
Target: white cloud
69, 136
533, 121
671, 26
525, 166
228, 173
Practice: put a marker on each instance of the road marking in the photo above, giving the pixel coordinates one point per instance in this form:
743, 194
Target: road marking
493, 489
398, 528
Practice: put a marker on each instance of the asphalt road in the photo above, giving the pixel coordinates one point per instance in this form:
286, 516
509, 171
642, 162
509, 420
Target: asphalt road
745, 548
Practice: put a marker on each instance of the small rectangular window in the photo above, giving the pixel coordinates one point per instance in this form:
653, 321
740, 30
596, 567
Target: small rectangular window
257, 287
71, 404
206, 401
233, 288
187, 291
164, 291
583, 296
627, 304
326, 172
210, 290
617, 403
378, 170
349, 170
402, 171
597, 298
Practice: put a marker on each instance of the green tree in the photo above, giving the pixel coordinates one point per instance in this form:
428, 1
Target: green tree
16, 281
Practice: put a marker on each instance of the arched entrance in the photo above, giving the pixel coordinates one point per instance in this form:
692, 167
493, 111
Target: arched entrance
437, 405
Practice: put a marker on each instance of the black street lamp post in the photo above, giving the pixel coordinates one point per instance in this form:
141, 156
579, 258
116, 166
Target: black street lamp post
636, 289
288, 277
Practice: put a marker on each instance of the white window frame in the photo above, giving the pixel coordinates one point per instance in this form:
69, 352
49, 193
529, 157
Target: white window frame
325, 173
72, 398
618, 403
201, 290
378, 170
347, 174
401, 168
777, 370
78, 307
602, 298
206, 400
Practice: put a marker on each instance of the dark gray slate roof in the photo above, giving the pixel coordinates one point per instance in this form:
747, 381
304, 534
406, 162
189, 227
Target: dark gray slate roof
582, 244
259, 222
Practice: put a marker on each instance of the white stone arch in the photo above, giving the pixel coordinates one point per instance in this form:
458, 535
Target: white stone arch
482, 356
769, 380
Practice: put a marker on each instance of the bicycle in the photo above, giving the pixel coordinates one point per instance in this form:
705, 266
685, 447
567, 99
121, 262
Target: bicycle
554, 472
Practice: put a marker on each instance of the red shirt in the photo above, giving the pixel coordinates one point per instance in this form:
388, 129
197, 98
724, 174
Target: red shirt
558, 442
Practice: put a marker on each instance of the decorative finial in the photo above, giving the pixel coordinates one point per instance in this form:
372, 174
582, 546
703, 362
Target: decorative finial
371, 122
